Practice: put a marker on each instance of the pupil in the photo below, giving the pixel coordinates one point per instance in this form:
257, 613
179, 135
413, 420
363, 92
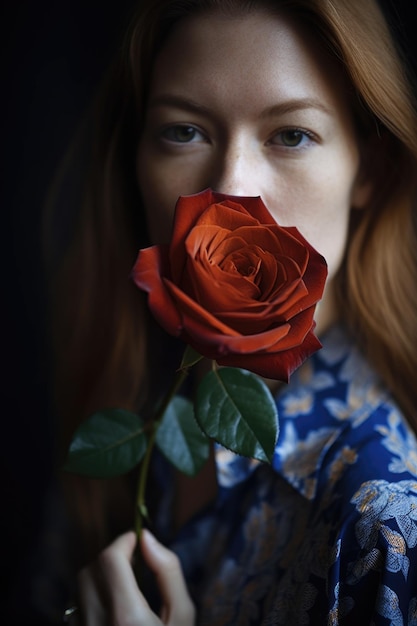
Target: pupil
292, 137
184, 133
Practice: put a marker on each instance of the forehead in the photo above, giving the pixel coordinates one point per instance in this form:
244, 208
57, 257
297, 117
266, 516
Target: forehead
254, 54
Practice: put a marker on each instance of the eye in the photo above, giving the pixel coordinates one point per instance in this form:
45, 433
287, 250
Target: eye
182, 133
292, 138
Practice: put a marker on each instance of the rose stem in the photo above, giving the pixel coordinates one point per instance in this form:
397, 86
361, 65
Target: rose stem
141, 509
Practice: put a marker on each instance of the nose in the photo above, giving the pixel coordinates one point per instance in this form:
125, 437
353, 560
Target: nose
236, 172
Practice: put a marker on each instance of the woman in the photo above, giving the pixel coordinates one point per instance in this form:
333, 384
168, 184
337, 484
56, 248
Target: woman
306, 104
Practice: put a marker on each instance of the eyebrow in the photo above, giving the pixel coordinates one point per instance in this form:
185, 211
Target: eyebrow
296, 104
287, 106
179, 102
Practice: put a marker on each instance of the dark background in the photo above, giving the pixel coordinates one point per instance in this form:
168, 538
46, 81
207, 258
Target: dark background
55, 53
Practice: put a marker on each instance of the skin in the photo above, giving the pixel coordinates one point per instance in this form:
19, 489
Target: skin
281, 129
109, 593
247, 106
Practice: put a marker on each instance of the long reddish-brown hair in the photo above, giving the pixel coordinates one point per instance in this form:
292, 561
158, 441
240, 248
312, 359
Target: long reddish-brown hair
99, 319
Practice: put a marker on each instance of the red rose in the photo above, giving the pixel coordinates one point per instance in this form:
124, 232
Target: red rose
234, 285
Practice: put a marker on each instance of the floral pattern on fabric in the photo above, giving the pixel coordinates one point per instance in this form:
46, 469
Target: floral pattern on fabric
328, 534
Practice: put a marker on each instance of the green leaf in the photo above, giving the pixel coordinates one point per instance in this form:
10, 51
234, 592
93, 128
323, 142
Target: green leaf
190, 358
180, 438
236, 409
109, 443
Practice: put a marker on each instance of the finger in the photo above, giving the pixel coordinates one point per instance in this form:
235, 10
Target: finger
92, 610
128, 605
178, 608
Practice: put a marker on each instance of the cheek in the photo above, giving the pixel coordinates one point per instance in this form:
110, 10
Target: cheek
158, 197
159, 209
333, 247
159, 228
320, 208
328, 228
161, 182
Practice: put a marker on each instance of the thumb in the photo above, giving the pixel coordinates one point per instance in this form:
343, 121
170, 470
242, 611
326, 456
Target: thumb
167, 568
125, 544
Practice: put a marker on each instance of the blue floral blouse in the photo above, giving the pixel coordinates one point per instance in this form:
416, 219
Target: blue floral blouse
326, 535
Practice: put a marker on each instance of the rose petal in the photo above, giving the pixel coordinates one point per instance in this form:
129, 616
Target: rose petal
226, 217
222, 292
150, 267
187, 211
278, 365
236, 286
215, 346
252, 204
208, 335
217, 289
211, 333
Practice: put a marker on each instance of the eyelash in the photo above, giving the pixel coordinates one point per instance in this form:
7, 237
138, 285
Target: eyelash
305, 134
295, 131
180, 127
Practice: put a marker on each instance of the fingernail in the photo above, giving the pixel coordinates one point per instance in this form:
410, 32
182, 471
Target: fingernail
148, 536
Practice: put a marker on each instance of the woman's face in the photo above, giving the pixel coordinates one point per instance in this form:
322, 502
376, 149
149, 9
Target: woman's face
251, 106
